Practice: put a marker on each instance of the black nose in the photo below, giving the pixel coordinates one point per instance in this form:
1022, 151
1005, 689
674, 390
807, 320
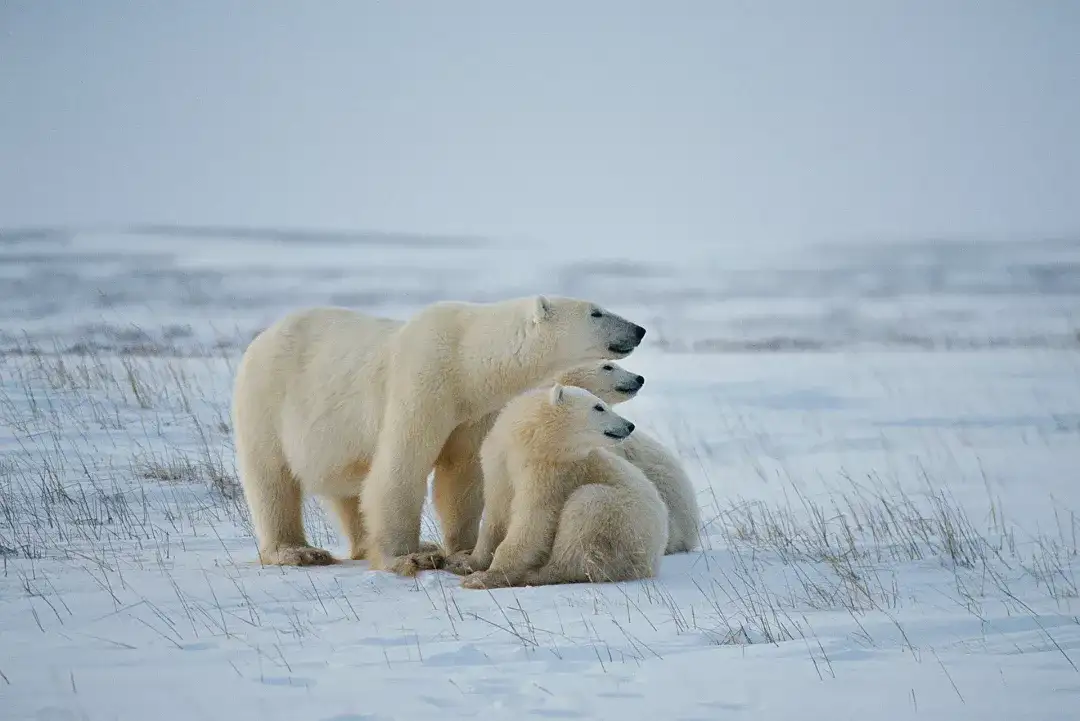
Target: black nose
639, 331
629, 428
640, 381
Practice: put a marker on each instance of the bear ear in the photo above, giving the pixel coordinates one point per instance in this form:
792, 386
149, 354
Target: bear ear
556, 395
542, 309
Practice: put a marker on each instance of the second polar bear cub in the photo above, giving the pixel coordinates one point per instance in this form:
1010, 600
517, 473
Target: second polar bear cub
559, 507
613, 384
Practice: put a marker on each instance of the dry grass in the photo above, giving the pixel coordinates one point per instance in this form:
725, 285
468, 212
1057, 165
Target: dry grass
112, 452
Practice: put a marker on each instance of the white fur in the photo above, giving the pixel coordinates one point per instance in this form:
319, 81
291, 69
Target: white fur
614, 384
559, 506
358, 409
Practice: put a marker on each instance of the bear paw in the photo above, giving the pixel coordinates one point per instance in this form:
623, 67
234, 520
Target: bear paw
429, 547
412, 563
486, 579
462, 563
360, 554
298, 556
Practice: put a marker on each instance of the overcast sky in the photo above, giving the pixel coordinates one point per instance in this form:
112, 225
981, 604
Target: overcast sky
640, 124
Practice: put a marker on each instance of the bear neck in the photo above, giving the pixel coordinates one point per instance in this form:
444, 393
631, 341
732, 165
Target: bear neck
506, 369
536, 440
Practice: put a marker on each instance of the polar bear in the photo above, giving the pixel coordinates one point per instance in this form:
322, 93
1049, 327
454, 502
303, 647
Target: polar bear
358, 409
614, 384
559, 507
605, 379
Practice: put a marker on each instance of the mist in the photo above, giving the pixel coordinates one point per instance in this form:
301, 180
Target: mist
639, 129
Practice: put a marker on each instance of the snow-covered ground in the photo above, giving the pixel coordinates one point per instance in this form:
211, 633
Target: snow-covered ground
885, 443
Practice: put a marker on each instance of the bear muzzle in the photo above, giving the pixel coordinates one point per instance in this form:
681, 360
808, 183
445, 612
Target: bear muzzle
628, 336
633, 386
622, 433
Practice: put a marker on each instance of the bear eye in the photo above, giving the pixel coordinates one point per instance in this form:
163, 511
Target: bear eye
609, 367
596, 314
599, 408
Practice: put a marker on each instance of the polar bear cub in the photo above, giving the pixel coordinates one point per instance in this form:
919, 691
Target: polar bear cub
559, 506
614, 384
358, 410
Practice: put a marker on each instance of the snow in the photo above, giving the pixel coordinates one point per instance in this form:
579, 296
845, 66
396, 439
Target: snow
884, 433
890, 525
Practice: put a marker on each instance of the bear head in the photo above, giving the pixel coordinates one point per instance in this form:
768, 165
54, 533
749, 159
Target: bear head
607, 380
570, 330
564, 423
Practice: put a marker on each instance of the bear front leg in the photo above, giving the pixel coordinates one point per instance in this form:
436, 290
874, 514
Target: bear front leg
459, 503
480, 559
395, 490
492, 532
458, 491
498, 493
529, 539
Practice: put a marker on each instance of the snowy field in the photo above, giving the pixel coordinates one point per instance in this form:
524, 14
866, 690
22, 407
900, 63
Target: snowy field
885, 441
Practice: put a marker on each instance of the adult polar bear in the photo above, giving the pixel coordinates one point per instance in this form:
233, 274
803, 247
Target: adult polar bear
358, 409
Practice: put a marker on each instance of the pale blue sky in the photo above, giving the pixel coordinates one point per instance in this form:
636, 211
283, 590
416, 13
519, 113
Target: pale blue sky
644, 124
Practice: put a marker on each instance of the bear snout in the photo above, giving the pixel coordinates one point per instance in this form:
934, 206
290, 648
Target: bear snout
630, 427
632, 385
626, 336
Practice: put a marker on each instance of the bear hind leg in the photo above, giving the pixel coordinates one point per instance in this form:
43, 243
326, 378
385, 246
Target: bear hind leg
275, 500
351, 523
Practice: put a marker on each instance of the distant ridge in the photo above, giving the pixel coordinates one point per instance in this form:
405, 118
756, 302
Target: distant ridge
296, 235
241, 232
